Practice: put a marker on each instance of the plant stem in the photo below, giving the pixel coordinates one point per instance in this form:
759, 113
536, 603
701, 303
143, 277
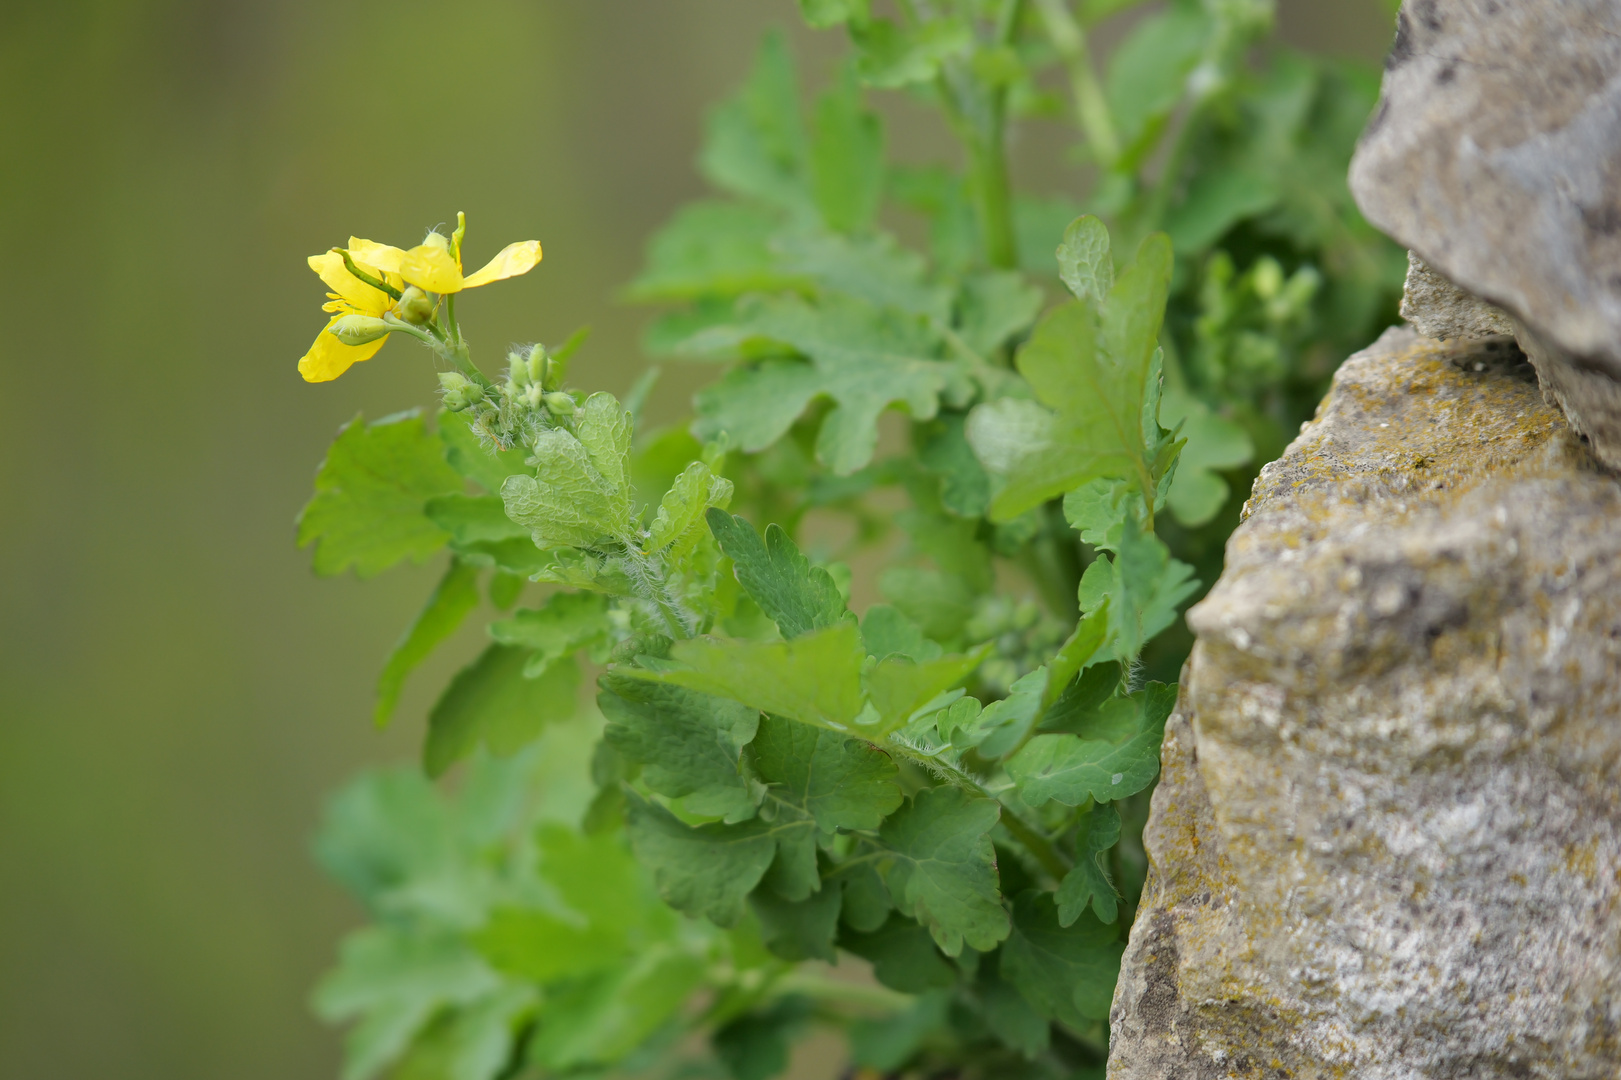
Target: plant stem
978, 115
1039, 847
822, 988
1091, 108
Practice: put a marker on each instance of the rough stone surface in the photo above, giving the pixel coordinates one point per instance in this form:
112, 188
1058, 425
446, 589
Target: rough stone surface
1439, 309
1387, 840
1495, 154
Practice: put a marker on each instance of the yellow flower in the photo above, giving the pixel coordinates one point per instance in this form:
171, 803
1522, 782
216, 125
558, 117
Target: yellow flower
433, 266
328, 357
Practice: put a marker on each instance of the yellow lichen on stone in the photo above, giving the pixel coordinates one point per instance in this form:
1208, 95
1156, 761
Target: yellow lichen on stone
1387, 836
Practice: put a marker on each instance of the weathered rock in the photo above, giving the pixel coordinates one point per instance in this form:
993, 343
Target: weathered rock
1387, 840
1495, 154
1439, 309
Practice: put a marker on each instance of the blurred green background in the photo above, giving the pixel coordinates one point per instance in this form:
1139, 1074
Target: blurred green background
177, 692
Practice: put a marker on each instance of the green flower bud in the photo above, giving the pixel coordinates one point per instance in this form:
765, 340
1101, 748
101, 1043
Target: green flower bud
1268, 277
358, 329
518, 369
559, 404
415, 307
537, 364
460, 392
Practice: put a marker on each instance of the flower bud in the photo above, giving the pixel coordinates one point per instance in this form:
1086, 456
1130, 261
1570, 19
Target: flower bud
460, 392
1268, 277
517, 369
559, 403
537, 364
358, 329
414, 306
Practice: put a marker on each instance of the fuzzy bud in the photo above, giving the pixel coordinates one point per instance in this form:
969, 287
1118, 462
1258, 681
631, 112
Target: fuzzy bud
460, 392
537, 364
518, 369
358, 329
415, 307
559, 404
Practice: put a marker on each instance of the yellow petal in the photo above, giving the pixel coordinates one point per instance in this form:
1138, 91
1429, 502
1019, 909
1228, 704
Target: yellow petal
328, 357
382, 256
514, 259
348, 288
431, 268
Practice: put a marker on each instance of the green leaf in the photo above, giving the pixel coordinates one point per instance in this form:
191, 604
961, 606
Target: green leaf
369, 494
798, 929
464, 453
837, 781
580, 496
584, 570
942, 449
847, 157
866, 898
1067, 974
888, 55
795, 595
815, 679
754, 144
1074, 709
996, 305
823, 14
448, 604
1084, 263
384, 831
606, 915
1146, 588
706, 871
1083, 648
899, 686
902, 954
1148, 75
1072, 769
1096, 371
820, 781
1216, 200
567, 623
395, 980
755, 1045
599, 1021
1003, 725
475, 1040
886, 632
490, 701
712, 249
690, 745
676, 528
864, 358
941, 869
1088, 883
1098, 510
1197, 493
474, 519
1011, 1018
941, 603
873, 268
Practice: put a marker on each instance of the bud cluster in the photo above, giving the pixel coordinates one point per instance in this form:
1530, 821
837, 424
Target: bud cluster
513, 411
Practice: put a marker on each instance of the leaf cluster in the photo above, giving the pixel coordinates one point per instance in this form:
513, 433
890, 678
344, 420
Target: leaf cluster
685, 763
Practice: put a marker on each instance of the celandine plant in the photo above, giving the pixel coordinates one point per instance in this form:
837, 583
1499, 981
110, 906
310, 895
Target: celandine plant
949, 785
